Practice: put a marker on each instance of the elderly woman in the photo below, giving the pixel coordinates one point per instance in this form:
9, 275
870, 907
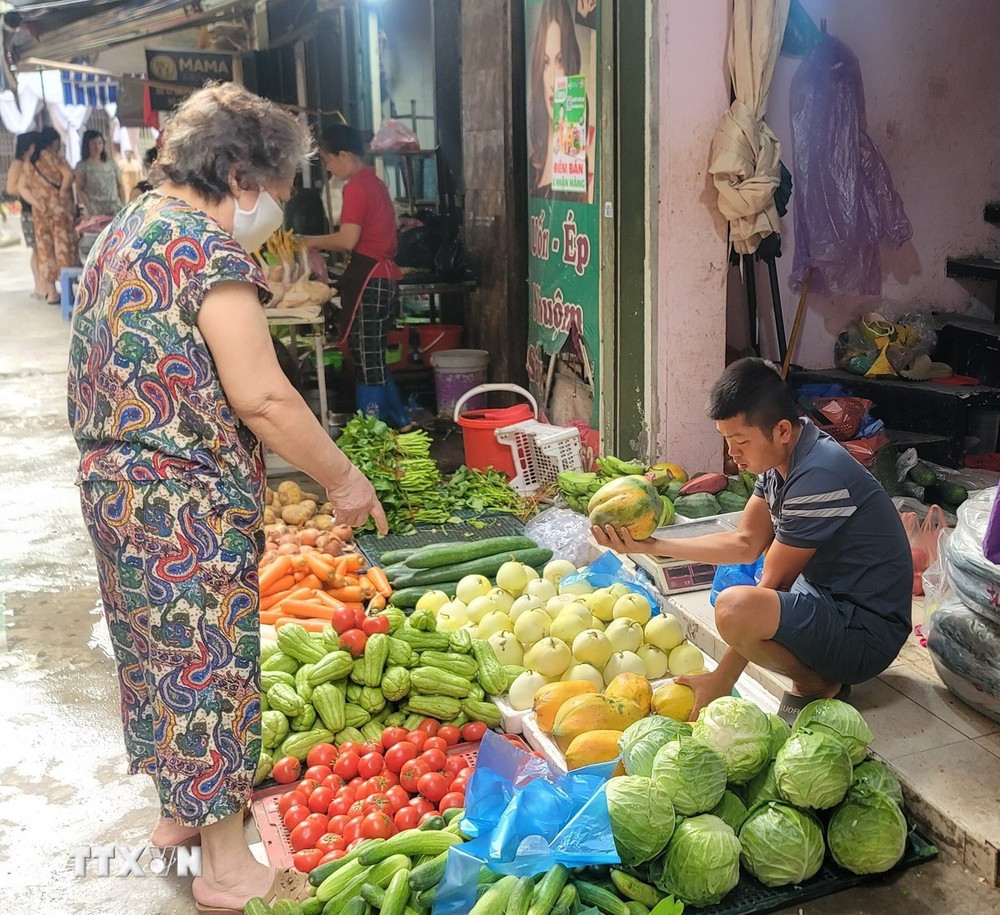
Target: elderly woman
173, 385
47, 184
98, 181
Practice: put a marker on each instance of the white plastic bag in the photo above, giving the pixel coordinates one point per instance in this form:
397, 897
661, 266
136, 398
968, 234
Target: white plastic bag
563, 531
975, 579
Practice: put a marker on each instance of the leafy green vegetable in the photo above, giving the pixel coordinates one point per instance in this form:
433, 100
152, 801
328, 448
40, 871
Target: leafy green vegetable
867, 833
840, 719
762, 787
702, 861
693, 774
642, 817
812, 770
641, 741
668, 906
780, 732
781, 845
731, 810
739, 731
486, 490
878, 775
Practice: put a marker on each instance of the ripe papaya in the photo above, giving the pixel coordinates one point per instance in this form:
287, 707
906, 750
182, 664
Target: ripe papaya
732, 501
592, 712
630, 502
594, 747
631, 686
551, 697
673, 700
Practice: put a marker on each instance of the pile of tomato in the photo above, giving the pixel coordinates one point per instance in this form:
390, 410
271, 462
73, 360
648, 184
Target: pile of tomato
371, 790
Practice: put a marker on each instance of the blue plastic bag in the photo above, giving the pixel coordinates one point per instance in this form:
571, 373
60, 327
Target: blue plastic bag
609, 570
524, 817
731, 575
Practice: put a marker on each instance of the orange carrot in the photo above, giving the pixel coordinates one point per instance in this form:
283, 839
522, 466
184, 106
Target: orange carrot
350, 593
355, 562
377, 603
298, 561
354, 604
321, 569
266, 603
277, 570
308, 625
367, 588
307, 610
269, 617
378, 578
310, 581
352, 581
301, 593
324, 598
282, 584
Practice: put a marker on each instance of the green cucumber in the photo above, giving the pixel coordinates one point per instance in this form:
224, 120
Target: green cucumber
488, 566
600, 898
520, 899
547, 890
390, 557
922, 475
406, 598
494, 900
448, 554
633, 888
430, 823
424, 876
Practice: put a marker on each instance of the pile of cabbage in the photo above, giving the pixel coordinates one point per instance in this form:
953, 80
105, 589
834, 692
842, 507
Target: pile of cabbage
739, 786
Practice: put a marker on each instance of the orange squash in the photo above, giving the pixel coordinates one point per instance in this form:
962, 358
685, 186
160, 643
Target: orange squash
550, 698
592, 712
631, 686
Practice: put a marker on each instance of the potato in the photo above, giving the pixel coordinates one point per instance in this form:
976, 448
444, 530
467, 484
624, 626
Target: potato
326, 508
289, 493
310, 525
269, 496
311, 495
324, 522
269, 516
295, 514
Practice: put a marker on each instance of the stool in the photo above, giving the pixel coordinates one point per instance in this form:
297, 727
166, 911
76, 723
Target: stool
68, 279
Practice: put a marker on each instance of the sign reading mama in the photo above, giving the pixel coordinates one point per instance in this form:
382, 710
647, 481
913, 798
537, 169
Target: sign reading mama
185, 68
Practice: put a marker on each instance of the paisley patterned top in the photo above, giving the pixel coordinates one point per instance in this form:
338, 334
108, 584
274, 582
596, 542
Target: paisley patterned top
145, 400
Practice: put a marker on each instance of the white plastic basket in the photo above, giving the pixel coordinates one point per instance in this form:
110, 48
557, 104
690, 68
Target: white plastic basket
540, 453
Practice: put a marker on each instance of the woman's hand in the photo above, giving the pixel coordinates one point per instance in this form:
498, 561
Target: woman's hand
354, 502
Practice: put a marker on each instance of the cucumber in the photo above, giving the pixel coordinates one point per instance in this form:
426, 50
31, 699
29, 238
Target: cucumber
600, 898
633, 888
397, 894
406, 598
488, 566
520, 899
636, 908
319, 874
494, 900
390, 557
547, 890
945, 494
424, 876
432, 823
412, 842
448, 554
922, 475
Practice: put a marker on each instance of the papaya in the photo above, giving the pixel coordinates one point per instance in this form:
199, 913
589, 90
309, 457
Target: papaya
592, 712
631, 686
698, 505
738, 485
732, 502
630, 502
711, 483
550, 698
673, 700
594, 747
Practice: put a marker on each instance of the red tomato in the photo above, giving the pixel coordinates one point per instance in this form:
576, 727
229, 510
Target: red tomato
433, 786
354, 641
286, 770
429, 726
422, 805
398, 796
307, 786
473, 731
350, 792
385, 779
323, 754
307, 859
451, 799
339, 806
350, 746
467, 771
371, 746
406, 818
454, 764
392, 736
333, 781
411, 772
346, 765
449, 734
318, 773
355, 844
359, 617
370, 765
449, 777
459, 784
331, 841
378, 801
434, 758
320, 818
337, 823
352, 831
295, 815
332, 856
356, 783
436, 743
356, 808
399, 753
427, 816
306, 835
376, 825
373, 624
292, 799
342, 620
417, 738
320, 799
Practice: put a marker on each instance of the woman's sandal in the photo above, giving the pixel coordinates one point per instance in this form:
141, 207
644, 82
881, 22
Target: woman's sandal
288, 884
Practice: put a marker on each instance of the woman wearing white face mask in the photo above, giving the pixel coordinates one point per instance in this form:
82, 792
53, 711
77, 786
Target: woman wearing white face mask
173, 385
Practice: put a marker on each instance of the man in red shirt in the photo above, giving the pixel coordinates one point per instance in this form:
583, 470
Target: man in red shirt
369, 286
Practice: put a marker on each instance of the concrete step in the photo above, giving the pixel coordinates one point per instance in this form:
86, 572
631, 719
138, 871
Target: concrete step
946, 756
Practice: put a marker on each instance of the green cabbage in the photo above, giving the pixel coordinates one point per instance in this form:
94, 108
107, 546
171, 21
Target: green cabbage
867, 833
739, 731
642, 817
781, 845
762, 787
812, 770
879, 775
840, 719
702, 861
731, 810
692, 773
780, 732
639, 743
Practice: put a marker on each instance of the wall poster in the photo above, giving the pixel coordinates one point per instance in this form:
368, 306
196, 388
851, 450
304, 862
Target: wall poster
562, 102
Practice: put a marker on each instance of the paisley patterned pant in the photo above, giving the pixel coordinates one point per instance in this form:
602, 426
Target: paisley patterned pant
178, 577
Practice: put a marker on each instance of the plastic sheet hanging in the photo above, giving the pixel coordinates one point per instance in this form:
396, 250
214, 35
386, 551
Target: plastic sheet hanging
524, 817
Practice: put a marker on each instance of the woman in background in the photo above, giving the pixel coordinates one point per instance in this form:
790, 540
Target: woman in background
98, 181
47, 184
24, 147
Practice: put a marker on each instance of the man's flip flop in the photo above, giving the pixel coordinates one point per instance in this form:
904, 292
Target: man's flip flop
790, 704
288, 884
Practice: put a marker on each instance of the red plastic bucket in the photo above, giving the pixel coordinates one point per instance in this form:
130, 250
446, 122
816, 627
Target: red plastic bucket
437, 337
482, 450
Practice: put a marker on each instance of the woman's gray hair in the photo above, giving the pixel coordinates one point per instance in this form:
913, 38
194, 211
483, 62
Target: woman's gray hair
225, 132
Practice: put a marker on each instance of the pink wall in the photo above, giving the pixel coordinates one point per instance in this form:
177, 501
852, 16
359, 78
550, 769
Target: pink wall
689, 283
932, 91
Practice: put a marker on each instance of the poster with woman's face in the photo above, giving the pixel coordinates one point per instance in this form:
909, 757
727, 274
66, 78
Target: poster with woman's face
561, 99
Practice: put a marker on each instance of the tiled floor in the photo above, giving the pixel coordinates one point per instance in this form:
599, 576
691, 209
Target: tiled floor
946, 754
